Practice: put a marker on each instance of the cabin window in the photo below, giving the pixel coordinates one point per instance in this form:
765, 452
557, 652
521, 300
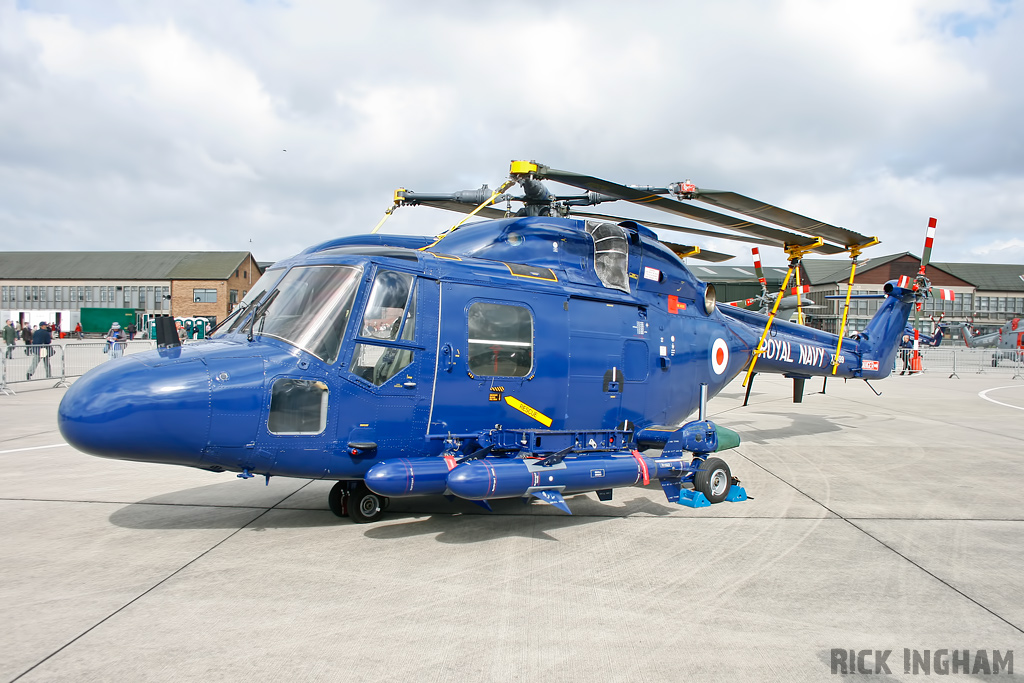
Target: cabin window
500, 340
611, 254
298, 406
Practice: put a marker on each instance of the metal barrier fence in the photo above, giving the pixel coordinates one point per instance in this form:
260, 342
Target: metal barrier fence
954, 361
56, 362
79, 358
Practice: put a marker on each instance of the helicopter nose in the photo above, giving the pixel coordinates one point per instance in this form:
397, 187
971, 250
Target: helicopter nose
132, 410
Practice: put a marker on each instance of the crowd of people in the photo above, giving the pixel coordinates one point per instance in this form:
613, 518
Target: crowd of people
38, 338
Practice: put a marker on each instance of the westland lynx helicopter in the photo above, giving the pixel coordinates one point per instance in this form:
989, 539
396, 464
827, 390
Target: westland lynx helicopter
1010, 335
533, 355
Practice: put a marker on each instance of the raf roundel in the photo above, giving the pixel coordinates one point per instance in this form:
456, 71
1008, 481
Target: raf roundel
719, 356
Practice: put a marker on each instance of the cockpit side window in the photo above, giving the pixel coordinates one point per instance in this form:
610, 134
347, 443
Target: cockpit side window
390, 316
389, 299
611, 254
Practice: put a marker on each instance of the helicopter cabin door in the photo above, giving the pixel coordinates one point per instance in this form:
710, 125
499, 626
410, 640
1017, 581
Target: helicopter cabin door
609, 363
502, 359
390, 371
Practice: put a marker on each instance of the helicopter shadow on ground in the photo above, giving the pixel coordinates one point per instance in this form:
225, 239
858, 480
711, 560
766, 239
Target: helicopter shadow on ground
510, 517
801, 424
216, 506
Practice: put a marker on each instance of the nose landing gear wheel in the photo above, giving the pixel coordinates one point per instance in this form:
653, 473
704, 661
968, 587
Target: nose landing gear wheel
713, 479
364, 505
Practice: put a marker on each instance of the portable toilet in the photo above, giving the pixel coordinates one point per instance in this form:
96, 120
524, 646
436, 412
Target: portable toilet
152, 328
199, 328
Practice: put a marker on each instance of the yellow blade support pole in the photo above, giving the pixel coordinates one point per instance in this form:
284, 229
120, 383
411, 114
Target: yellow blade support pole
854, 253
846, 310
771, 318
795, 253
799, 299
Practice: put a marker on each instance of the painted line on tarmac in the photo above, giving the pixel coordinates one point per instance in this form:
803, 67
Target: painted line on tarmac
983, 394
33, 448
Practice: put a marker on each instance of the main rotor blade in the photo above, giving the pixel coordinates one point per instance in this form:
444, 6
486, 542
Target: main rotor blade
787, 219
680, 228
703, 255
776, 237
486, 212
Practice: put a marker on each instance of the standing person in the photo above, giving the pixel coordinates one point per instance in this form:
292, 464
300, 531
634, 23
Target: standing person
906, 344
10, 335
41, 339
78, 331
116, 341
131, 332
26, 335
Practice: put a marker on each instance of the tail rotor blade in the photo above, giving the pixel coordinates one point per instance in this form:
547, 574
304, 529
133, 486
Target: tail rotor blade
760, 271
926, 256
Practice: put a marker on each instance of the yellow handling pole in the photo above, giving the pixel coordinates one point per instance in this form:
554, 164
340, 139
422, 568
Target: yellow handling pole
854, 253
799, 299
795, 253
757, 350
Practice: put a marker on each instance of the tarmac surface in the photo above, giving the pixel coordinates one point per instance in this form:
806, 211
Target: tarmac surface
876, 523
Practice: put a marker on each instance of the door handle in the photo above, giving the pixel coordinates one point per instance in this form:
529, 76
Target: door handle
409, 385
448, 364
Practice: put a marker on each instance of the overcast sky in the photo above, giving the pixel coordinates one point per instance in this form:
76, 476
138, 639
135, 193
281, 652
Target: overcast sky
270, 126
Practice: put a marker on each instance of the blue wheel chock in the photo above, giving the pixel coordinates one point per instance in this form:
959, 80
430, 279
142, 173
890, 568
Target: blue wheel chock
696, 499
736, 494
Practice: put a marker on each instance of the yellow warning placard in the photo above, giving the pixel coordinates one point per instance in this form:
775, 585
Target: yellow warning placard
527, 410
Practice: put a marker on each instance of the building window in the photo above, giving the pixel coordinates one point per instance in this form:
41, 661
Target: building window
5, 293
167, 299
204, 296
233, 297
500, 340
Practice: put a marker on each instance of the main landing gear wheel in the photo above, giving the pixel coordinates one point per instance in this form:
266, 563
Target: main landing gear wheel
337, 499
713, 479
364, 505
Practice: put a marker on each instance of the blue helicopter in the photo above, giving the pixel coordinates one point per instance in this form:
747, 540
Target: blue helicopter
536, 355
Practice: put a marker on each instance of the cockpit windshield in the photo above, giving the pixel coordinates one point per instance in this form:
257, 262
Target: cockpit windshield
238, 315
310, 308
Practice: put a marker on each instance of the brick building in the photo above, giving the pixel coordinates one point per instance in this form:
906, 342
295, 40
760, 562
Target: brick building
56, 286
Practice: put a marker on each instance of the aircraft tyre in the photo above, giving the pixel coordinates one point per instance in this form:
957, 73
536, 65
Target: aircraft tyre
337, 499
713, 479
364, 505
